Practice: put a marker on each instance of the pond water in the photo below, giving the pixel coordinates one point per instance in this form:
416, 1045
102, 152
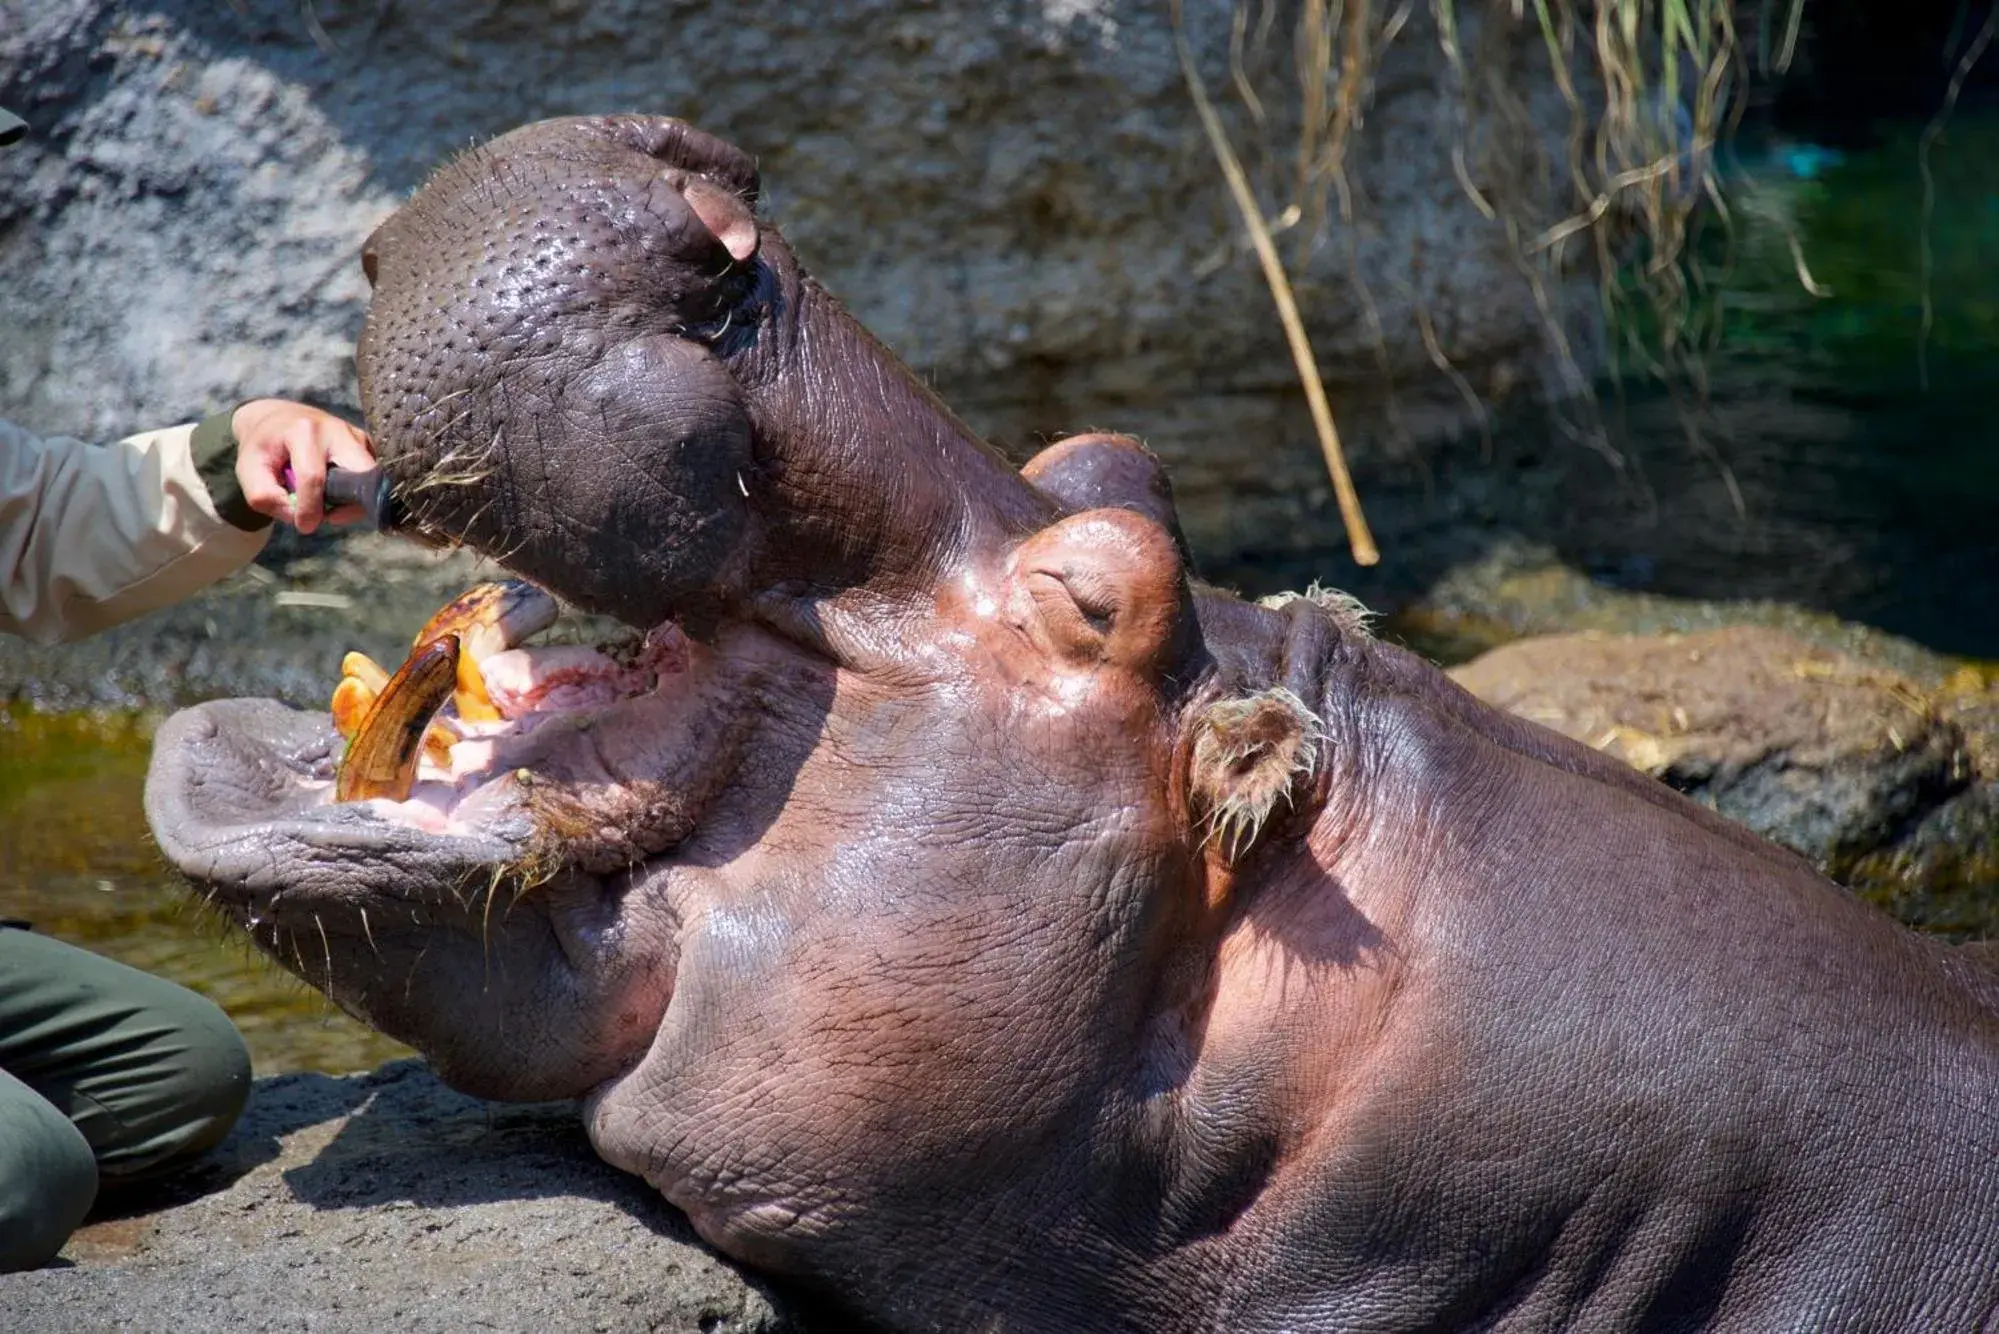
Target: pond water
77, 860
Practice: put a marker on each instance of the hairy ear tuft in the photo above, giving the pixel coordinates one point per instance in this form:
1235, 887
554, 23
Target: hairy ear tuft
1348, 612
1250, 752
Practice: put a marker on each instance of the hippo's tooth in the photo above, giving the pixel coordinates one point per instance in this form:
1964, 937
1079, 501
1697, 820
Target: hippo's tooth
490, 617
475, 705
351, 699
365, 670
381, 759
438, 739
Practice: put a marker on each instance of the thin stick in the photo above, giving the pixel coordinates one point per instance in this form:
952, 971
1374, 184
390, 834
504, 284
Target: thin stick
1359, 538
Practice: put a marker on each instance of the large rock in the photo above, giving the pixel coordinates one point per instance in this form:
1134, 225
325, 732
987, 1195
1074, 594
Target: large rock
1516, 589
1016, 196
1885, 783
387, 1202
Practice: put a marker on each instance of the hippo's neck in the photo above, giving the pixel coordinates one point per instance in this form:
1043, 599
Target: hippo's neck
867, 451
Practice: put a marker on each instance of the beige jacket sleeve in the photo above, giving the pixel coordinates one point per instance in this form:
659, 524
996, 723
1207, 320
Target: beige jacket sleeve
91, 535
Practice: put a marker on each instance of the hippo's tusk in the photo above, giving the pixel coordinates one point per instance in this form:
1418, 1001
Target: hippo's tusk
362, 680
487, 619
490, 617
381, 758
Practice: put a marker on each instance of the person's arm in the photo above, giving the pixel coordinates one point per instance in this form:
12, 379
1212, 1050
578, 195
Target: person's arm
93, 535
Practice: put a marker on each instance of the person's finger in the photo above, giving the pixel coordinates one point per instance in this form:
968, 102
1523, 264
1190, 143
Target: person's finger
348, 446
260, 476
308, 460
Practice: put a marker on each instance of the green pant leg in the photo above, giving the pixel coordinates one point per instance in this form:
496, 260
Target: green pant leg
48, 1177
150, 1072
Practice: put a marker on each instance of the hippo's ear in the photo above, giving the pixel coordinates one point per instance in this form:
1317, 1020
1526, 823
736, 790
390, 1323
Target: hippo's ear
1101, 468
1105, 587
721, 211
1249, 753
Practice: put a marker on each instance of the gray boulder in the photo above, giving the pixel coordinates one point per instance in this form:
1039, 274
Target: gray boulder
1886, 784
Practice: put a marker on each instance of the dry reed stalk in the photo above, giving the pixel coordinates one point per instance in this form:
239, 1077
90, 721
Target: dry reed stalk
1359, 539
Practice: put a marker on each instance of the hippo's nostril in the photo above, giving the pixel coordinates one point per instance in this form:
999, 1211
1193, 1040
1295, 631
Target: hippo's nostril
368, 262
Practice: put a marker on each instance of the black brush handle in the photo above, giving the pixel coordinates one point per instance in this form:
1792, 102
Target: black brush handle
369, 490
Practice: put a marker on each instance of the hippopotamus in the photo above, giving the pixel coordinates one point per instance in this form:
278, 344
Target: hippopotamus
960, 910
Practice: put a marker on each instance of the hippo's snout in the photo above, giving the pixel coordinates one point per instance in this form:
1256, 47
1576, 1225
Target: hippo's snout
586, 358
567, 422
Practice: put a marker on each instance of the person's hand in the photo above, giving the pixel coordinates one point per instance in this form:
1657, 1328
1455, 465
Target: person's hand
273, 434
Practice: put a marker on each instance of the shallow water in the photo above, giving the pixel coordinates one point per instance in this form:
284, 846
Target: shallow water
77, 860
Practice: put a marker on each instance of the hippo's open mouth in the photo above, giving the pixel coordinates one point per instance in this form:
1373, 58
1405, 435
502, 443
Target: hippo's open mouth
451, 743
480, 833
472, 774
480, 753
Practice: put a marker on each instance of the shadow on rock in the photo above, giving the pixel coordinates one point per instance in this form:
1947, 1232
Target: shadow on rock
278, 1109
387, 1201
413, 1141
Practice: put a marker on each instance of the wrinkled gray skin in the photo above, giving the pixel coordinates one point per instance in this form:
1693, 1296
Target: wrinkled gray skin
923, 983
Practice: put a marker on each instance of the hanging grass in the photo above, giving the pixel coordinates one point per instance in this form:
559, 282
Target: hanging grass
1651, 87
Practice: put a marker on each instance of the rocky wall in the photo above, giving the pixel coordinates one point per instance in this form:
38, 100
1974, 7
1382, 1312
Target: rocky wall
1018, 197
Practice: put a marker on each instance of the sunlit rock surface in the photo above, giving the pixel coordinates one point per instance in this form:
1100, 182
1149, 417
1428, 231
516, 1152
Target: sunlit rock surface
1885, 782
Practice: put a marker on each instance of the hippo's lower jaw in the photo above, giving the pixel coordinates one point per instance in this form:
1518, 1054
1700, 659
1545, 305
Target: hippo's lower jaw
567, 809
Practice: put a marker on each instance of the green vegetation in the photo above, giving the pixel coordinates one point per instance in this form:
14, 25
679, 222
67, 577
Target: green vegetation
1651, 87
1871, 272
1884, 317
